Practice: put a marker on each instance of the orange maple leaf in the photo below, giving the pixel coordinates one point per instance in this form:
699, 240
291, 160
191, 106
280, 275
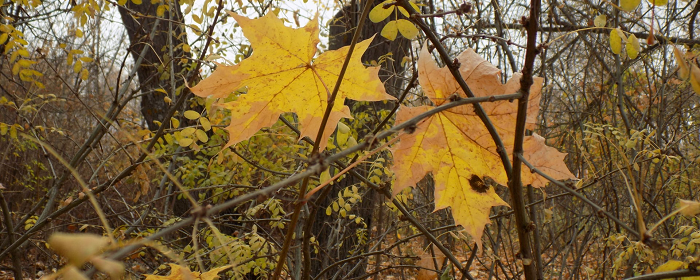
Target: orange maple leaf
283, 76
456, 147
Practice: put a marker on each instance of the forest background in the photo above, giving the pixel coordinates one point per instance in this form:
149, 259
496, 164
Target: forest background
173, 140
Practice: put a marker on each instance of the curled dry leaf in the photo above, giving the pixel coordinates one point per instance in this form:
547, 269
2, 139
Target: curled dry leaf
114, 269
689, 208
77, 247
456, 147
695, 78
683, 69
282, 76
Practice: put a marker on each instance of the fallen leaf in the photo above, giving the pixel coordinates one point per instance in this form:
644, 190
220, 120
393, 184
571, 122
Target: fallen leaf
428, 261
283, 76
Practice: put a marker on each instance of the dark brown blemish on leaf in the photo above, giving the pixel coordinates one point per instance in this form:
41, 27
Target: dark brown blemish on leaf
477, 184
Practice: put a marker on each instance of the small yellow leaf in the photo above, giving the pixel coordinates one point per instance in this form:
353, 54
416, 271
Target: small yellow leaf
121, 2
84, 74
167, 100
87, 59
658, 2
600, 20
197, 19
683, 70
192, 115
407, 29
616, 41
629, 5
325, 176
206, 125
403, 11
160, 11
79, 33
137, 2
187, 131
201, 135
175, 122
381, 11
669, 266
390, 30
343, 128
633, 48
186, 48
185, 142
77, 66
3, 38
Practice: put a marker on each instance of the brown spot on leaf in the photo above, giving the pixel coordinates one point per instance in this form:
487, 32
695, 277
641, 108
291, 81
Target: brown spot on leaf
477, 184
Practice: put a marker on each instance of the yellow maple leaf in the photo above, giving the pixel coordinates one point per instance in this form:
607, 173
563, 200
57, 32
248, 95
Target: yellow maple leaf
283, 76
183, 273
456, 147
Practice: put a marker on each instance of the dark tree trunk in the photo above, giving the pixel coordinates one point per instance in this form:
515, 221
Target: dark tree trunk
154, 71
337, 237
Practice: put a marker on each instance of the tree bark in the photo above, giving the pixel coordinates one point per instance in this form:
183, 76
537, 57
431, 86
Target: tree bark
157, 33
337, 236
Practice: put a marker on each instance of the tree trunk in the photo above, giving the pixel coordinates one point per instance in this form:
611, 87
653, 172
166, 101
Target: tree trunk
157, 33
337, 237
